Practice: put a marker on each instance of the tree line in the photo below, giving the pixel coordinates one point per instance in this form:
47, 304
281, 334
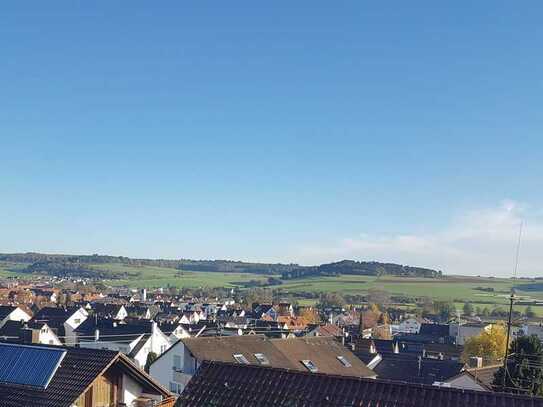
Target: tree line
363, 268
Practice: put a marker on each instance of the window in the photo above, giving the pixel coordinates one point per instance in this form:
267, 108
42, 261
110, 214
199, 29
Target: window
176, 387
240, 358
344, 361
77, 321
263, 360
310, 366
177, 362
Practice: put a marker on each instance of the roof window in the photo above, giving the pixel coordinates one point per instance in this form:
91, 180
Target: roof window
344, 361
240, 358
263, 360
310, 366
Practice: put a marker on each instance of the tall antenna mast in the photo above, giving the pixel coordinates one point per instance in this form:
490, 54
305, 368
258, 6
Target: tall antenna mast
518, 247
511, 299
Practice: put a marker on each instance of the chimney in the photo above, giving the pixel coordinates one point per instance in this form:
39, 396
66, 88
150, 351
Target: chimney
143, 294
475, 362
373, 350
396, 348
420, 364
96, 335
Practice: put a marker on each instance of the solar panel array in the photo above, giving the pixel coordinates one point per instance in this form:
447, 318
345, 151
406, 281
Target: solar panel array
29, 365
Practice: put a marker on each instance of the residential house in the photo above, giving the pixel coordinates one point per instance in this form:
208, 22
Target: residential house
481, 378
136, 339
265, 311
294, 324
327, 330
63, 321
227, 384
392, 360
408, 326
73, 377
462, 332
433, 333
176, 366
191, 317
29, 333
12, 313
285, 309
110, 310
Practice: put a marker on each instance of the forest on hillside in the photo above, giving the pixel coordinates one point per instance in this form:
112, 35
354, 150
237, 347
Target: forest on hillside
64, 265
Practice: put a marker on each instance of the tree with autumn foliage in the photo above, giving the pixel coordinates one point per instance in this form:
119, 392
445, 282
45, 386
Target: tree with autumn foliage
381, 332
310, 315
489, 344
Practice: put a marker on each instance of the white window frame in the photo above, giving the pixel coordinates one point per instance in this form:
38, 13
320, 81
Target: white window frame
240, 358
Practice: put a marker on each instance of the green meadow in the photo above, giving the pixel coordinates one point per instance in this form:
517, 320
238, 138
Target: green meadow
457, 289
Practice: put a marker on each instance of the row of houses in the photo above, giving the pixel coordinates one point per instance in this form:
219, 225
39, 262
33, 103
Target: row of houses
247, 369
59, 376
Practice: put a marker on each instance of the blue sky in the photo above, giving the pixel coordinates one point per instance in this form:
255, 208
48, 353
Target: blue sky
274, 131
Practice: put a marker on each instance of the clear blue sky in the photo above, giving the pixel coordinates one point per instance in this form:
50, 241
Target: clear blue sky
263, 130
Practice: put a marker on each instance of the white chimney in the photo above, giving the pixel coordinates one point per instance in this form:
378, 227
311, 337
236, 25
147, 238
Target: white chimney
96, 334
475, 362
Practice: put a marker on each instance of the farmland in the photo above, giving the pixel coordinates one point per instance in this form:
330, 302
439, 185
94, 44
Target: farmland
489, 292
451, 288
8, 269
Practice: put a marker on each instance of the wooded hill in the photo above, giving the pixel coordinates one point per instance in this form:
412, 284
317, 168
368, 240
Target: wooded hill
364, 268
81, 266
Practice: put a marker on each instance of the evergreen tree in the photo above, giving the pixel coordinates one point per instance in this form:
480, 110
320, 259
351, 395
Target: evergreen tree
151, 357
524, 367
468, 309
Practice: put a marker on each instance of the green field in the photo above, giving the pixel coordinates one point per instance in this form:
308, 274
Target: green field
154, 277
446, 288
451, 288
11, 269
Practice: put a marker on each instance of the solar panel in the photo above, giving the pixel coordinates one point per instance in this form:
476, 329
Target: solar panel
28, 365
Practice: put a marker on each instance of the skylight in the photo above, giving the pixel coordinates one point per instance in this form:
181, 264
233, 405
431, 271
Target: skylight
310, 366
29, 365
262, 359
344, 361
240, 358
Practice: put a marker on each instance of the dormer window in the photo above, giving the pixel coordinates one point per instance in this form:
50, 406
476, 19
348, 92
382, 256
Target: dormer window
344, 361
262, 359
240, 358
310, 366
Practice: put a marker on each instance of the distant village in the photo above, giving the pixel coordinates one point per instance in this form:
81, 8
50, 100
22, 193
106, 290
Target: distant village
75, 343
